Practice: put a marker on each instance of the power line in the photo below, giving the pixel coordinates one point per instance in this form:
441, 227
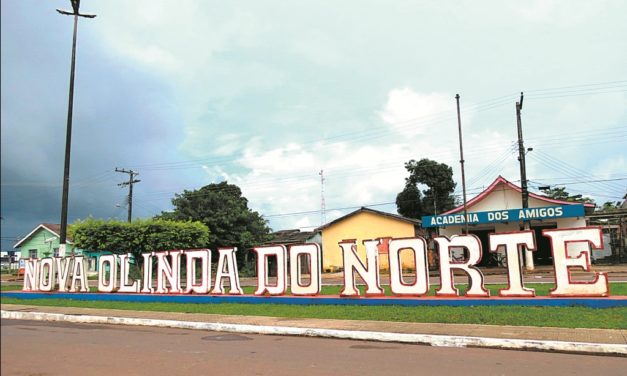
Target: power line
475, 190
569, 169
579, 86
592, 181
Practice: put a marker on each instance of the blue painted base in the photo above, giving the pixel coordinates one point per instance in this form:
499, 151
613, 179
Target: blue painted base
609, 302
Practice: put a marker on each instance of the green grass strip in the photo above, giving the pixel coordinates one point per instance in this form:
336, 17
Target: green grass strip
565, 317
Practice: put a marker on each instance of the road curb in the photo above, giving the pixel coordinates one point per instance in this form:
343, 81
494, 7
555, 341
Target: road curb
423, 339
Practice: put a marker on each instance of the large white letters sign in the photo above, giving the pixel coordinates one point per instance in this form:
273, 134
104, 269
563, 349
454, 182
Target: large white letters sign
298, 269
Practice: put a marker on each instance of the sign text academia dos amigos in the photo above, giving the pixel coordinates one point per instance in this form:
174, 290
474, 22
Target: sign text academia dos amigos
69, 274
497, 216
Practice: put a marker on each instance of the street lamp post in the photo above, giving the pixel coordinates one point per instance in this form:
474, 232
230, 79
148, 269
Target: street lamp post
68, 134
461, 161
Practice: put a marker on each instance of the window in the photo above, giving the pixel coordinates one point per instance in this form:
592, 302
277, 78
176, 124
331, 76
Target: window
32, 253
55, 252
91, 261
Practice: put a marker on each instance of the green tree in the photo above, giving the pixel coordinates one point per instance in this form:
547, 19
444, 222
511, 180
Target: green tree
438, 197
609, 205
223, 209
409, 202
560, 193
139, 236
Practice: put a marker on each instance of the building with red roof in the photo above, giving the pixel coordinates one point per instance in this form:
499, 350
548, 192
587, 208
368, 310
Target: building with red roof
499, 209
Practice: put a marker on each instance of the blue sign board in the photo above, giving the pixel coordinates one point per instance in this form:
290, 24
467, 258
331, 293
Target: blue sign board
499, 216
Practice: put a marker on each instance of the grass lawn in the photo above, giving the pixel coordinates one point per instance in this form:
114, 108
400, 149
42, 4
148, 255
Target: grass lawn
567, 317
11, 287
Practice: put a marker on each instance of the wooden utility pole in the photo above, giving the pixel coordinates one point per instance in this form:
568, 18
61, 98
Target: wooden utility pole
523, 178
130, 182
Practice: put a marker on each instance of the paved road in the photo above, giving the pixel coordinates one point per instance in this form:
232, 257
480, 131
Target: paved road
38, 348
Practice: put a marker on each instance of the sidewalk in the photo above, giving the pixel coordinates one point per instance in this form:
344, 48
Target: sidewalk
584, 341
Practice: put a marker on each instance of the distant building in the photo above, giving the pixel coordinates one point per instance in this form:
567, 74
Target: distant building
364, 224
499, 209
290, 237
613, 223
294, 236
43, 241
8, 260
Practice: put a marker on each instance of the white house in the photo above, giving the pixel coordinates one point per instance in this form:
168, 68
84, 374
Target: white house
499, 209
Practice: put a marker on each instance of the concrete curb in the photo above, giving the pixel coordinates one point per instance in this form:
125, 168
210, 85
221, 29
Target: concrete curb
423, 339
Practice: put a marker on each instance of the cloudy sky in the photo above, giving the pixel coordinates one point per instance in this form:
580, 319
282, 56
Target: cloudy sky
266, 94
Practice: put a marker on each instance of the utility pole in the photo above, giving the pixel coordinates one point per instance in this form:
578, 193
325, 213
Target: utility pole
130, 182
523, 178
323, 218
461, 161
435, 202
68, 134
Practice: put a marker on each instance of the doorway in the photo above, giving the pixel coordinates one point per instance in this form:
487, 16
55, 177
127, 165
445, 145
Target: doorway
543, 254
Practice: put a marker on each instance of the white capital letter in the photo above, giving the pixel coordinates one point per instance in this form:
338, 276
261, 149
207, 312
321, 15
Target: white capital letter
47, 274
110, 285
31, 275
79, 274
169, 271
560, 240
352, 264
64, 264
311, 252
511, 242
472, 244
263, 284
147, 283
227, 268
204, 255
125, 285
418, 247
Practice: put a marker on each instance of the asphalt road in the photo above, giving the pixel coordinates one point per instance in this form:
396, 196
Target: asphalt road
39, 348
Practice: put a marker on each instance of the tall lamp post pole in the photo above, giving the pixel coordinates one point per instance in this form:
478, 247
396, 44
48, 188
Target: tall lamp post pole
461, 161
68, 135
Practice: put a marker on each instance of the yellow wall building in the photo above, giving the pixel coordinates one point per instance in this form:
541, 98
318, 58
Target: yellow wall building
365, 224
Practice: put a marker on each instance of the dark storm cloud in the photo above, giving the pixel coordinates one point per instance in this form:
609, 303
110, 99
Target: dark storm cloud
118, 121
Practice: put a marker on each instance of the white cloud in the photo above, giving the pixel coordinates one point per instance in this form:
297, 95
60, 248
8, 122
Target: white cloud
410, 113
420, 124
319, 48
154, 56
560, 13
228, 143
610, 169
304, 224
217, 174
539, 9
287, 180
613, 166
149, 26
